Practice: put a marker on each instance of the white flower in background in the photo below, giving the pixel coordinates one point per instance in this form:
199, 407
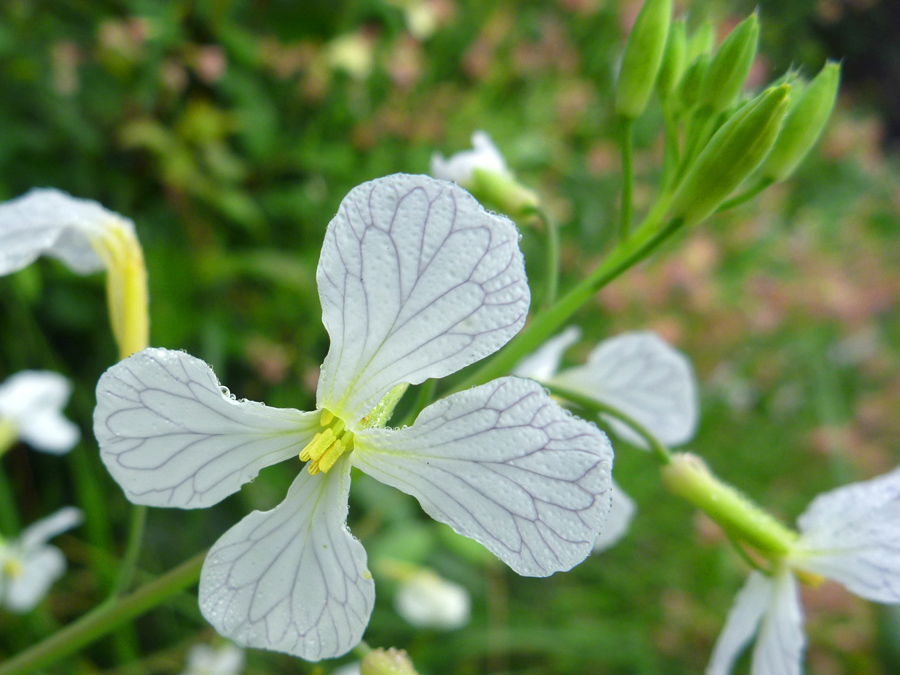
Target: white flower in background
428, 601
31, 404
29, 565
348, 669
850, 535
459, 167
88, 238
225, 659
635, 373
416, 281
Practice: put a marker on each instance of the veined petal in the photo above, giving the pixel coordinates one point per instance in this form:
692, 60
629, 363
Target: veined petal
51, 222
292, 579
39, 533
645, 378
743, 620
505, 465
621, 512
852, 535
779, 647
171, 435
34, 400
416, 281
40, 568
542, 364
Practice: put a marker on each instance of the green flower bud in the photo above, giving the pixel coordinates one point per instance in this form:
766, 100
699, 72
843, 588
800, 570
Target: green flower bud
642, 58
689, 90
504, 192
732, 154
390, 662
673, 62
701, 41
730, 66
804, 123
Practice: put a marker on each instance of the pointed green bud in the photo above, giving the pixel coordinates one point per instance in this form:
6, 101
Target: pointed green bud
387, 662
643, 57
701, 41
736, 150
730, 66
674, 62
689, 89
804, 123
503, 191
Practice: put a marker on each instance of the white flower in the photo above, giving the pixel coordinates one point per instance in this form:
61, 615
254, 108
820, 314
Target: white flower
850, 535
416, 281
348, 669
459, 167
29, 565
428, 601
226, 659
88, 238
31, 404
637, 374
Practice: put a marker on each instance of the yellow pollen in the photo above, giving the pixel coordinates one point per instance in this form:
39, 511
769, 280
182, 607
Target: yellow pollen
328, 445
12, 568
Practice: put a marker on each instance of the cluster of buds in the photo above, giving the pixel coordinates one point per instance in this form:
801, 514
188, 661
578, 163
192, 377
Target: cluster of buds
721, 147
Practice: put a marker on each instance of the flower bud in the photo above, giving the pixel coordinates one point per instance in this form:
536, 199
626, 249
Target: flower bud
700, 42
390, 662
736, 149
673, 62
642, 58
689, 89
730, 66
804, 123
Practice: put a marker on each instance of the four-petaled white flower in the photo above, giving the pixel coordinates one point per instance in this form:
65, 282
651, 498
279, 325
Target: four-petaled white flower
226, 659
88, 238
29, 565
416, 281
427, 600
637, 374
850, 535
459, 167
31, 404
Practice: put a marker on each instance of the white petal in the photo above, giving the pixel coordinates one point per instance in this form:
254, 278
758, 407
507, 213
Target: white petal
171, 435
645, 378
226, 659
779, 647
427, 601
616, 526
39, 533
292, 579
34, 401
50, 222
504, 465
852, 535
743, 619
40, 569
460, 166
542, 364
416, 281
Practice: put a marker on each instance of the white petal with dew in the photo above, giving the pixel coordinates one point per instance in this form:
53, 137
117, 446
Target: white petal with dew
51, 222
542, 364
643, 377
34, 400
40, 568
416, 281
292, 579
170, 435
852, 535
621, 512
504, 465
39, 533
743, 621
779, 646
459, 167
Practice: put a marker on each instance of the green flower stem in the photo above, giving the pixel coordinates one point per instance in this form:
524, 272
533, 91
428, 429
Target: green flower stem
660, 451
551, 279
626, 254
105, 619
132, 549
627, 142
671, 151
10, 524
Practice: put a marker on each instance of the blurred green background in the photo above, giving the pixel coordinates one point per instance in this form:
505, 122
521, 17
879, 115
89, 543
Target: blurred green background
230, 131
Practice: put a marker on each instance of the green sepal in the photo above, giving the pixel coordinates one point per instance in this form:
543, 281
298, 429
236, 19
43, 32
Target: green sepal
674, 59
730, 66
689, 89
643, 57
701, 41
381, 413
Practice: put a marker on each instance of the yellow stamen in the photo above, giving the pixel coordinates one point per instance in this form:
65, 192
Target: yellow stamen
810, 579
326, 447
12, 568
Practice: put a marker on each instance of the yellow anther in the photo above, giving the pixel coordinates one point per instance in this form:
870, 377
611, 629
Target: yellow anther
810, 579
326, 447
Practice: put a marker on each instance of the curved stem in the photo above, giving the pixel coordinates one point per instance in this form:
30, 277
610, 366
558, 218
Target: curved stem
660, 451
104, 619
551, 279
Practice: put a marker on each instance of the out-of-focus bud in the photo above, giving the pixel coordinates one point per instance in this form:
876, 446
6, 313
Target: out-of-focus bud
736, 150
673, 62
730, 66
701, 41
804, 123
689, 90
643, 56
428, 601
387, 662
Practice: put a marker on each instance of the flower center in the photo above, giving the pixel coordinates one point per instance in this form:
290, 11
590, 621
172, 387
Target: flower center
328, 445
12, 568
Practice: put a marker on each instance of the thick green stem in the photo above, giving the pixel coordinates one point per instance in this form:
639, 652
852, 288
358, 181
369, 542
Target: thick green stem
627, 176
104, 619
